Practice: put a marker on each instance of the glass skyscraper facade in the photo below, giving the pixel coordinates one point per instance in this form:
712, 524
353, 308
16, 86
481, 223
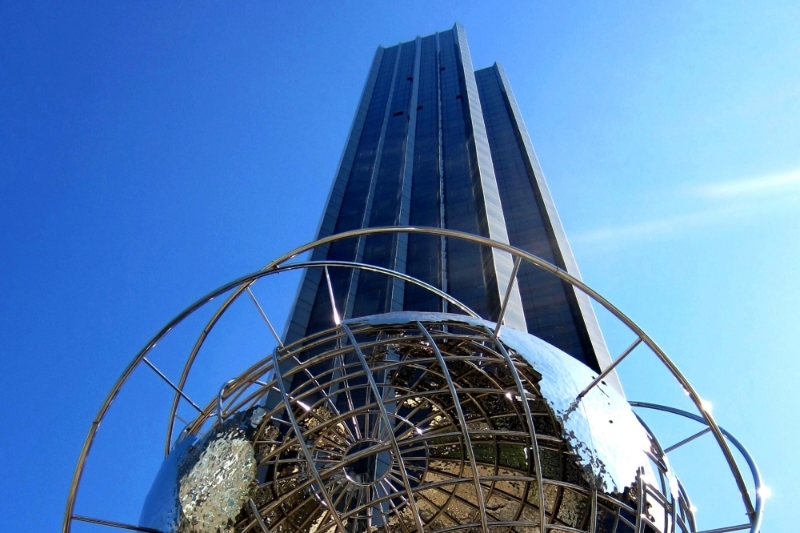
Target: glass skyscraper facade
436, 143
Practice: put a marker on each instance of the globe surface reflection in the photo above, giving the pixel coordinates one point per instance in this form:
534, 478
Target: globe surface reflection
417, 422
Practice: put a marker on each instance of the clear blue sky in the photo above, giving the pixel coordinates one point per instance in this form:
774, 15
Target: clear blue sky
150, 152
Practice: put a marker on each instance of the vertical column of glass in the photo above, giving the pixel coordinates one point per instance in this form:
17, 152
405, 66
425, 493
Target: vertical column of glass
351, 213
548, 311
307, 289
466, 279
369, 293
398, 287
423, 259
580, 304
373, 291
497, 265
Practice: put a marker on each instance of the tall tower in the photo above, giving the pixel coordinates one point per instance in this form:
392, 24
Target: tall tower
436, 143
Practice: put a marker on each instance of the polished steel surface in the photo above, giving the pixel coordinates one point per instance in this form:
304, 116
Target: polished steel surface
468, 441
442, 434
424, 422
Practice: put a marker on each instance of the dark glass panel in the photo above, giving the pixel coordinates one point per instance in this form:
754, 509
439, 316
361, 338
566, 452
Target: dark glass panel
550, 307
465, 264
373, 294
424, 251
351, 214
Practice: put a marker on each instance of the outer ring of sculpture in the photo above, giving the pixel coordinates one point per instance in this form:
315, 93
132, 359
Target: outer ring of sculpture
753, 510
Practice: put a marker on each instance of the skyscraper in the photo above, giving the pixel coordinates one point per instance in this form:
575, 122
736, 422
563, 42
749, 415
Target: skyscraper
436, 143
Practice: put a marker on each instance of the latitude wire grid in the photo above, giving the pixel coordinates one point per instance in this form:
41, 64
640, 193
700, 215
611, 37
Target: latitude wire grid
554, 482
578, 284
275, 267
239, 291
755, 518
466, 480
662, 501
382, 332
749, 506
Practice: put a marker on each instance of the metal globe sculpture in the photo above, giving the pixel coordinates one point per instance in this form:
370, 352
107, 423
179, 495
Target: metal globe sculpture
417, 422
420, 422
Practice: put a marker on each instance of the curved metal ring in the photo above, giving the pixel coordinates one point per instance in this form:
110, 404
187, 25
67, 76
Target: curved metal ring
240, 284
758, 483
276, 266
278, 269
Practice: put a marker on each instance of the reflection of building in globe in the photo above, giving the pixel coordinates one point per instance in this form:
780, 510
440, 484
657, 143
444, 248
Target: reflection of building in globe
419, 422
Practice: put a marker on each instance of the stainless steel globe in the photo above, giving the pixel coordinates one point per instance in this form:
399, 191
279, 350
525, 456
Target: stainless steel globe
414, 422
419, 422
